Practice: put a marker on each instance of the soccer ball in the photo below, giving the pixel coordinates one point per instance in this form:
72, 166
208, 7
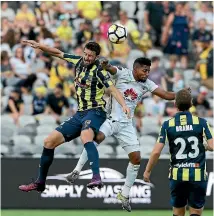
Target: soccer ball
117, 33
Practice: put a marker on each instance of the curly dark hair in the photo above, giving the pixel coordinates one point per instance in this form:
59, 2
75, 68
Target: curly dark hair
93, 46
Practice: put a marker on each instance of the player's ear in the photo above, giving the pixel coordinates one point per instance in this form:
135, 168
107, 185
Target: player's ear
175, 105
191, 103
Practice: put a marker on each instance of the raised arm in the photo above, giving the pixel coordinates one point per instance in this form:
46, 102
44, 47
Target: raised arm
44, 48
108, 67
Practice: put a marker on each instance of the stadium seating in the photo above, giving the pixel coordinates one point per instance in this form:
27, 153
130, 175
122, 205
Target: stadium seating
45, 129
26, 119
46, 119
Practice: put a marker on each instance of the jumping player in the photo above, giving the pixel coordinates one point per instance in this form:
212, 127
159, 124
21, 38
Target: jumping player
133, 84
187, 174
90, 80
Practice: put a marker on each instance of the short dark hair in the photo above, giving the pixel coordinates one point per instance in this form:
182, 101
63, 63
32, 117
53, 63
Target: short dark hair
93, 46
59, 86
155, 58
183, 100
142, 61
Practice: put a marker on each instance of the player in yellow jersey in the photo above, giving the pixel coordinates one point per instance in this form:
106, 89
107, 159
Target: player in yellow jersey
187, 174
90, 81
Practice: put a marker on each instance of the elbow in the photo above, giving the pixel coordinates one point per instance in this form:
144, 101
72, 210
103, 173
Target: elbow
156, 154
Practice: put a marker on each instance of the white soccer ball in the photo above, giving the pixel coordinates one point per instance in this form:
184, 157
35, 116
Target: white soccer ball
117, 33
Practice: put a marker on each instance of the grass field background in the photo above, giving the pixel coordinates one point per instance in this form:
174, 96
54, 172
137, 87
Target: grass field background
91, 213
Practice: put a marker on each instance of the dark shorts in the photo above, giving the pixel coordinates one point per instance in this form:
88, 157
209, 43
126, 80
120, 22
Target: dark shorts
191, 193
72, 127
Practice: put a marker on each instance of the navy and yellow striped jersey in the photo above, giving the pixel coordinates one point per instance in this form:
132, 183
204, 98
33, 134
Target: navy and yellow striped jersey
89, 83
185, 134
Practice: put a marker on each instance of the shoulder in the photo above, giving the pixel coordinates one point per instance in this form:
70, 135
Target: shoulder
202, 121
151, 85
166, 124
123, 70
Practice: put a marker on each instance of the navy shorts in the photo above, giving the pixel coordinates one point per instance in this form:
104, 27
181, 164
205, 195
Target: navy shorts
72, 127
191, 193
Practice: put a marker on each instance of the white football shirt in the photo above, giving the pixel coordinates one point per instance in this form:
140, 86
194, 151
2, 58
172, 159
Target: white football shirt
132, 92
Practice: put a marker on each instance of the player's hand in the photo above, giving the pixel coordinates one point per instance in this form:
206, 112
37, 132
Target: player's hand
104, 63
31, 43
127, 111
146, 176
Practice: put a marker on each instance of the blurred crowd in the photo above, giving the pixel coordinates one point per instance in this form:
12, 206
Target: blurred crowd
176, 36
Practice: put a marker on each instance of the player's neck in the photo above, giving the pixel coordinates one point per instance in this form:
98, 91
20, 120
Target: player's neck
135, 76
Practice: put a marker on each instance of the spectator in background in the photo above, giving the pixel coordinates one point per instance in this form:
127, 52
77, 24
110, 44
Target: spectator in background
103, 43
45, 14
155, 107
178, 81
200, 34
20, 67
112, 7
153, 20
85, 33
15, 106
27, 30
126, 22
6, 69
9, 40
39, 100
170, 72
177, 42
201, 103
56, 101
89, 9
25, 14
204, 13
104, 24
157, 74
205, 63
59, 74
120, 52
64, 32
6, 11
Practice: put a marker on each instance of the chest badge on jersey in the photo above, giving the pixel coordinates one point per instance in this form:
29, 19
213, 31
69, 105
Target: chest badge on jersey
130, 94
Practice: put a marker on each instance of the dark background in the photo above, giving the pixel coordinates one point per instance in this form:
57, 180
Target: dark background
20, 171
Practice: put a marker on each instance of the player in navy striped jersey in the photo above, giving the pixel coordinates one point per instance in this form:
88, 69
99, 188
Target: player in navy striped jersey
90, 81
187, 174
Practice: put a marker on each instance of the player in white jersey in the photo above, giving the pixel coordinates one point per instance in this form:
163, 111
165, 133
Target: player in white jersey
133, 84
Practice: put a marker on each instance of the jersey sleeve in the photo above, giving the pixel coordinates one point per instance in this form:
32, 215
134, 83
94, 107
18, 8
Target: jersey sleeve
207, 130
162, 135
71, 58
120, 71
151, 85
104, 78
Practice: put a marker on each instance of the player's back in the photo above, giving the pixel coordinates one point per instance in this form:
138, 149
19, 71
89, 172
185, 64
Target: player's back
185, 134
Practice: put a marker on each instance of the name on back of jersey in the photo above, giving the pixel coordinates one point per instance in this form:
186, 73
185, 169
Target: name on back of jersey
184, 128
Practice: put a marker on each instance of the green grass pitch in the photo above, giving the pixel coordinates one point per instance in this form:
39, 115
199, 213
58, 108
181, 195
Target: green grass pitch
91, 213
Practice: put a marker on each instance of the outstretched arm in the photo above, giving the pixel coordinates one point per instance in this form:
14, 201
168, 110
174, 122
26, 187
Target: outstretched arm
44, 48
164, 94
152, 161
